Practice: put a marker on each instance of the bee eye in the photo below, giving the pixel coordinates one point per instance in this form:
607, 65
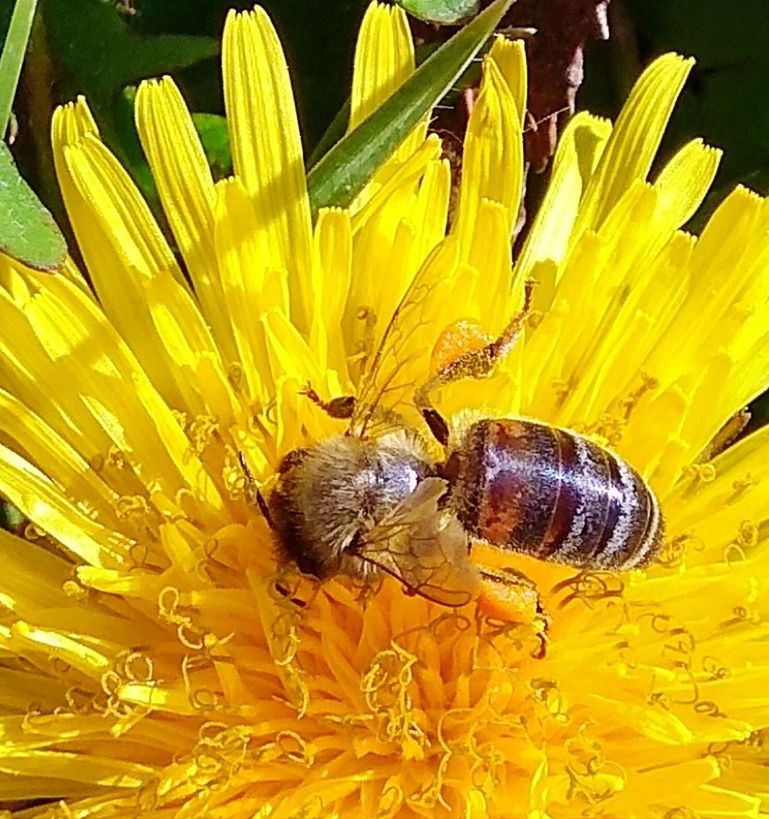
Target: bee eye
291, 460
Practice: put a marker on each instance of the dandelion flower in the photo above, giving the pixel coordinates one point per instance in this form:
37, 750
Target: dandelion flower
150, 664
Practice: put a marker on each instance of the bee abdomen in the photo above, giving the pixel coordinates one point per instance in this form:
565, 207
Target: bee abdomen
555, 495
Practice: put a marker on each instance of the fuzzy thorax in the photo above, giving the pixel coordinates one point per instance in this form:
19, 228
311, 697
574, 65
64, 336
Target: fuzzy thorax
330, 495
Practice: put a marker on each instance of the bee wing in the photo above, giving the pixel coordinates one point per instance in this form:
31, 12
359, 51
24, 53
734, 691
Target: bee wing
390, 372
424, 548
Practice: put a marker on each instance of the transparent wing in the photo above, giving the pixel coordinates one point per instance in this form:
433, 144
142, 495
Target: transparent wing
400, 360
424, 548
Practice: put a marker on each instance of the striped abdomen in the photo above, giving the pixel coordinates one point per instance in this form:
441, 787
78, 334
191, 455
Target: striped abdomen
553, 495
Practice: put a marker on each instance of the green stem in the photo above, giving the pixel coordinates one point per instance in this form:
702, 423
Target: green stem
13, 56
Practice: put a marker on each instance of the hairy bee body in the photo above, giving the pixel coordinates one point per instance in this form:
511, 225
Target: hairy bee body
329, 495
516, 484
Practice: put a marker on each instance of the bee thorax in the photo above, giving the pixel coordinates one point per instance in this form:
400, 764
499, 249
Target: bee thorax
326, 501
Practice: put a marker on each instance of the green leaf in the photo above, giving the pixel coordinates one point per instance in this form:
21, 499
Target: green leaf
103, 54
346, 168
27, 230
444, 12
13, 56
215, 137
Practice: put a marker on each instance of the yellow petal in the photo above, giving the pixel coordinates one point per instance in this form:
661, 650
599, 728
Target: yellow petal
578, 152
63, 464
395, 180
89, 769
188, 340
114, 387
113, 218
122, 246
267, 147
37, 498
332, 263
35, 576
250, 286
635, 138
510, 58
186, 189
69, 125
686, 179
493, 156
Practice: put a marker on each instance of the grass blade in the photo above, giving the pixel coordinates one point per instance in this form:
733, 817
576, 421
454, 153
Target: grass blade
13, 56
344, 170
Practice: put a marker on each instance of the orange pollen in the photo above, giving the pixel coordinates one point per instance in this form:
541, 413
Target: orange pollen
460, 337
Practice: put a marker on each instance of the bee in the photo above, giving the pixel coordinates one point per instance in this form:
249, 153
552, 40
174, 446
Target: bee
362, 503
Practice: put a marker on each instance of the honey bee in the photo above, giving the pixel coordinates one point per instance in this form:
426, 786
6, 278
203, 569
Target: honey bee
359, 504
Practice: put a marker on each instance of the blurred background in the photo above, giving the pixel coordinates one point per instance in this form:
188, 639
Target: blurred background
103, 48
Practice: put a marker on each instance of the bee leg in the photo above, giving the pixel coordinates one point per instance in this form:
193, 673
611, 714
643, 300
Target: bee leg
507, 339
510, 596
437, 424
344, 407
472, 364
284, 591
543, 635
341, 407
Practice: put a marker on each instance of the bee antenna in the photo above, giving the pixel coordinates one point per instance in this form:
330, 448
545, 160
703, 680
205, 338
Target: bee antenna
245, 467
261, 502
255, 491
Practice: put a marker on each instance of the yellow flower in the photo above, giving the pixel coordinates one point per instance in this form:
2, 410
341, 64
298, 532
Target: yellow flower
152, 664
